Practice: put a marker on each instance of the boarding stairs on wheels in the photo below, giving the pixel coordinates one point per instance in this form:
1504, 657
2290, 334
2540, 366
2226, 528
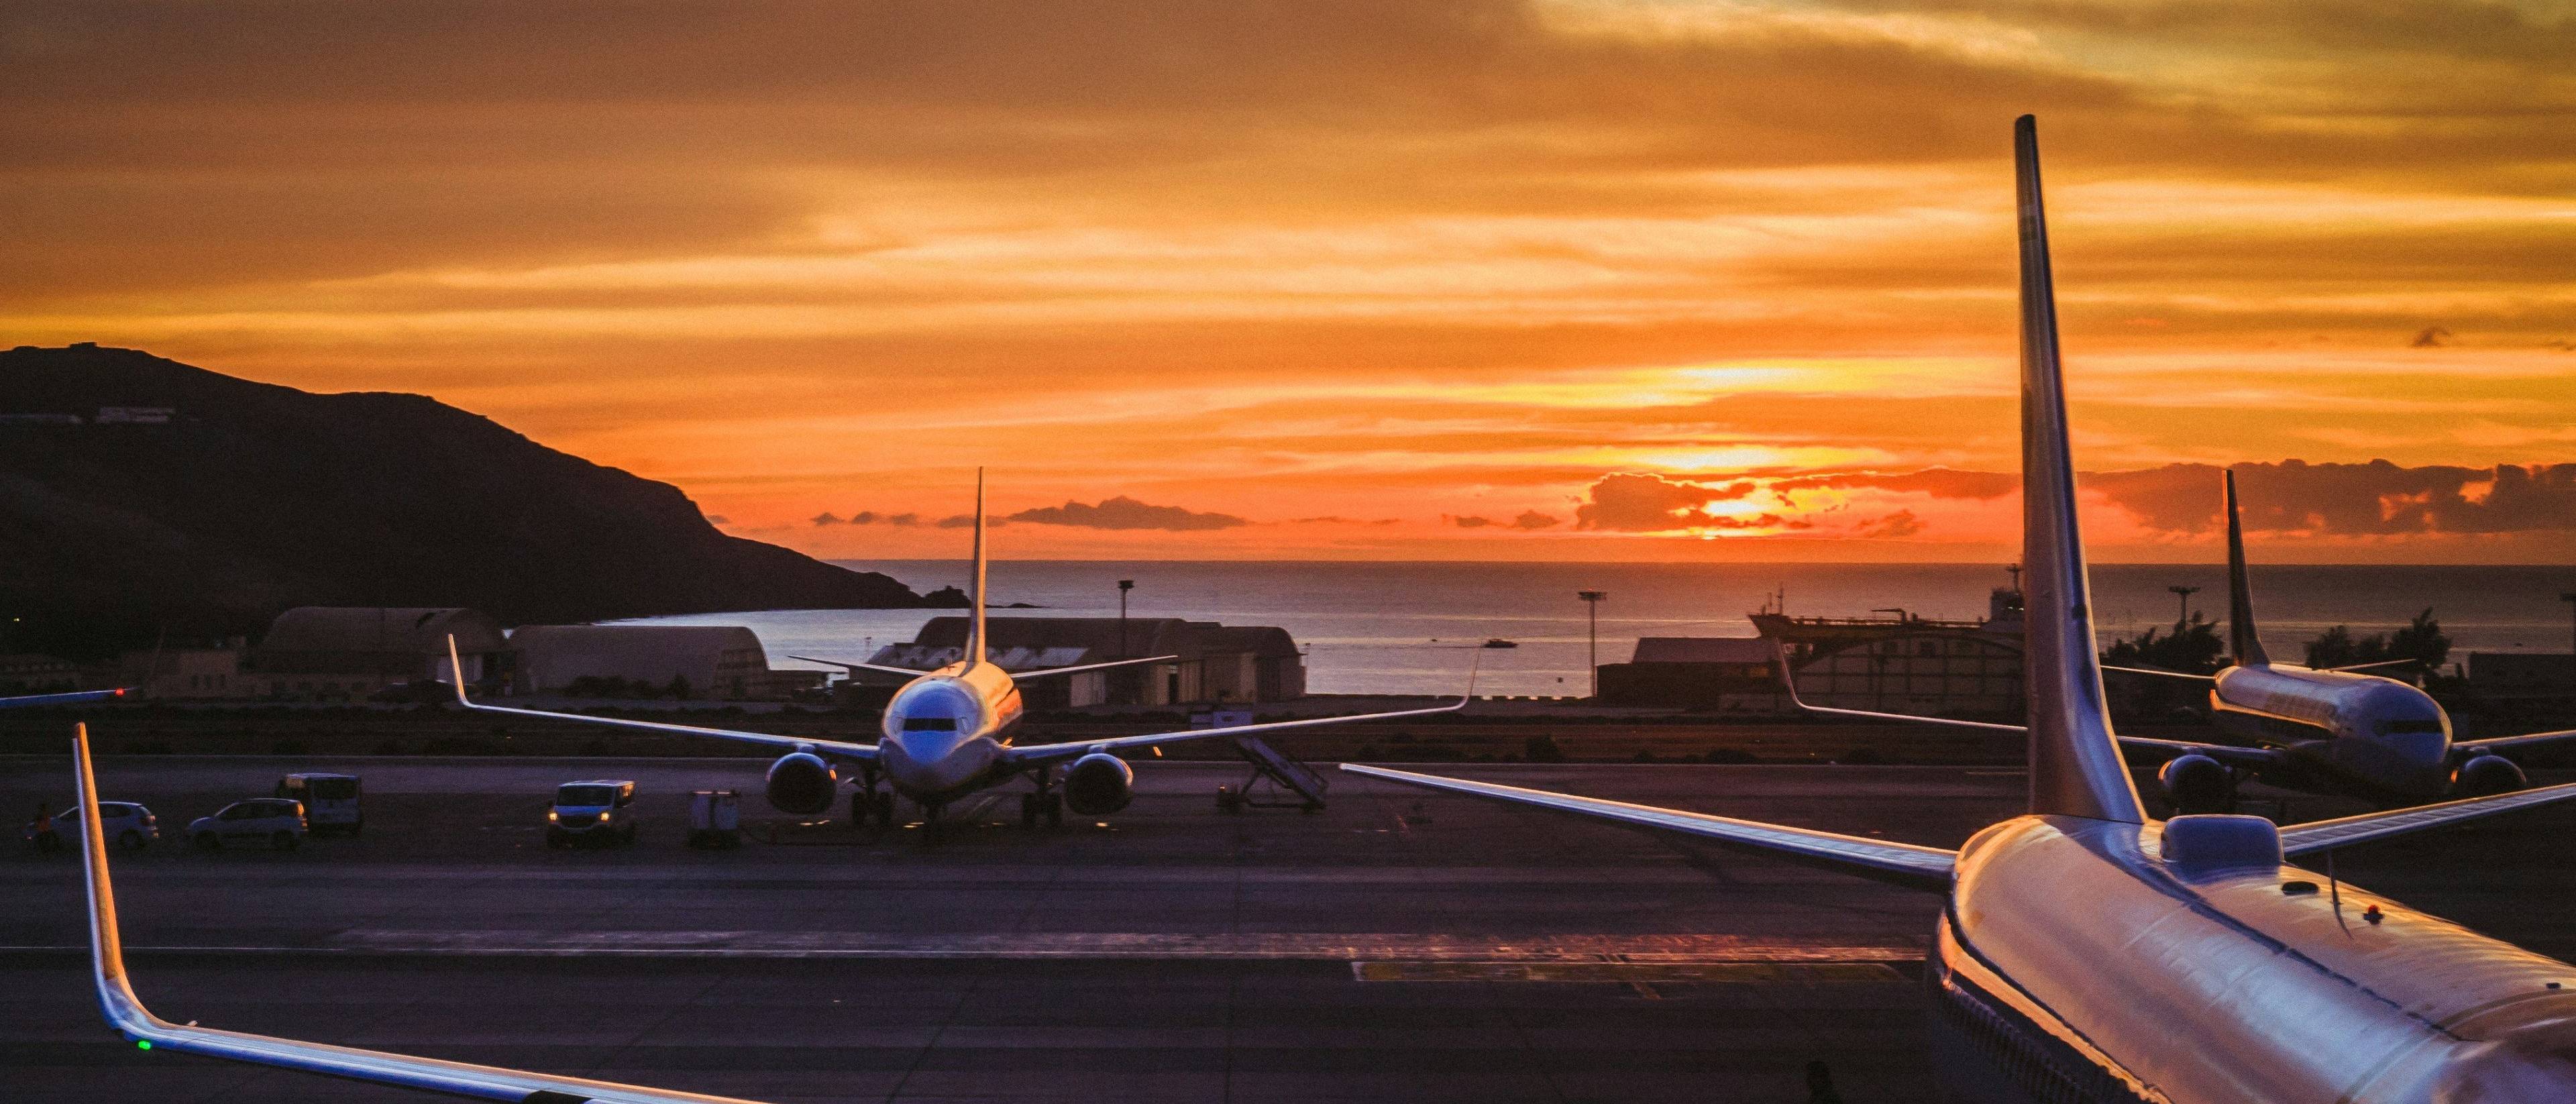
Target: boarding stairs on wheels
1278, 780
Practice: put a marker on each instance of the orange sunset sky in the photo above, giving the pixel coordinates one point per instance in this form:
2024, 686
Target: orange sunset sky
1475, 279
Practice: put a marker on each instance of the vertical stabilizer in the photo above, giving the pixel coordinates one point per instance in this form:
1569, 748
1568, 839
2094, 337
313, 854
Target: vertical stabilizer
2243, 643
2075, 767
975, 588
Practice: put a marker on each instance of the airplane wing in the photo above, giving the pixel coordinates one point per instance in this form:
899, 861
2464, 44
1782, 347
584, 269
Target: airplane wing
838, 749
125, 1013
2380, 663
2326, 835
1901, 863
1033, 754
857, 667
1045, 671
75, 697
1789, 686
2512, 743
2247, 757
2160, 673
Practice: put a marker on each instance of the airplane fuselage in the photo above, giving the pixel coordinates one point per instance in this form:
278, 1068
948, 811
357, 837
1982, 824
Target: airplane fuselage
2376, 737
2075, 962
944, 732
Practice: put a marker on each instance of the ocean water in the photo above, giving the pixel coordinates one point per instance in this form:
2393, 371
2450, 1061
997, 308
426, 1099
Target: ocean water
1410, 628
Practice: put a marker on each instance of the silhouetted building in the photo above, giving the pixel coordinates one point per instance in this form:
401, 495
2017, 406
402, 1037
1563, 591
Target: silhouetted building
1907, 664
1214, 663
1695, 672
346, 653
2510, 674
29, 673
189, 672
724, 662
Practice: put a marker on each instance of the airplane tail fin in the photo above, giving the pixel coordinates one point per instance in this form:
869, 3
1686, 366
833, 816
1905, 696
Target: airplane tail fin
975, 649
2075, 764
2243, 643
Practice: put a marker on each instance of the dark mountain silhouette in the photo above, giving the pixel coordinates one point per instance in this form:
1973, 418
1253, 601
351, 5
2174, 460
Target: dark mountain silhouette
252, 498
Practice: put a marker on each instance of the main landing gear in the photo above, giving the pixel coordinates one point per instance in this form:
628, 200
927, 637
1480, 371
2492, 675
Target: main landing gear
869, 801
1046, 804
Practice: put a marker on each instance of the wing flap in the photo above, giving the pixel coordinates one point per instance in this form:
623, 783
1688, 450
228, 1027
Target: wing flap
1902, 863
125, 1012
2326, 835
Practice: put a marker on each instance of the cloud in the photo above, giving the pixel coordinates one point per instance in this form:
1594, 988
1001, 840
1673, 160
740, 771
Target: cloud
1336, 519
967, 521
1634, 502
1123, 512
1471, 522
1533, 520
828, 518
2432, 337
1895, 526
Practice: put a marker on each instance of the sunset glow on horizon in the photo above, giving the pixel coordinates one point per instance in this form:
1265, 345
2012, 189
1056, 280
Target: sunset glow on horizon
1555, 280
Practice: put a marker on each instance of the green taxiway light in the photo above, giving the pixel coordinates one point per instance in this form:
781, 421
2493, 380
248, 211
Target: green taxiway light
142, 1044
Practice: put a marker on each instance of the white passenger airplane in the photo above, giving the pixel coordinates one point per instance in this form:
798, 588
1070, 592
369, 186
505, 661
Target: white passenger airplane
2087, 955
2335, 729
2090, 954
947, 734
2330, 730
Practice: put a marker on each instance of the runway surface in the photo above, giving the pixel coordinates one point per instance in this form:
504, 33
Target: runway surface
1399, 945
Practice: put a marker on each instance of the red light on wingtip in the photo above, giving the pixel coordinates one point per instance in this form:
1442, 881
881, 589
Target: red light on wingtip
116, 693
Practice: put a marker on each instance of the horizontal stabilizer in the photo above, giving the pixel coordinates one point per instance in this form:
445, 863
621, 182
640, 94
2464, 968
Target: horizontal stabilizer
2326, 835
1901, 863
125, 1012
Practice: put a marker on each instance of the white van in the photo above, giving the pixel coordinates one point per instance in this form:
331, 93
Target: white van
592, 812
330, 801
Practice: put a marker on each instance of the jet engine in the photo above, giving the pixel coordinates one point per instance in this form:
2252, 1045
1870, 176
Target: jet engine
2487, 774
803, 784
1098, 784
2198, 784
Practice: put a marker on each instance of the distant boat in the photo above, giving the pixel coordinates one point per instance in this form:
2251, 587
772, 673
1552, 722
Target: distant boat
1499, 642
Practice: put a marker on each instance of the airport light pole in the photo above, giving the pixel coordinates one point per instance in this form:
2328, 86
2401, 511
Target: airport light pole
2182, 604
1124, 585
1592, 613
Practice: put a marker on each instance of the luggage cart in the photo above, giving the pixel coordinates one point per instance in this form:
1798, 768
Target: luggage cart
715, 819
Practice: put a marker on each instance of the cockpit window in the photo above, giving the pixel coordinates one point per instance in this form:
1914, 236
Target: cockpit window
2404, 725
930, 724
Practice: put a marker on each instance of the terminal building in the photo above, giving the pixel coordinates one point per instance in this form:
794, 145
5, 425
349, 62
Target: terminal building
349, 653
1214, 664
724, 662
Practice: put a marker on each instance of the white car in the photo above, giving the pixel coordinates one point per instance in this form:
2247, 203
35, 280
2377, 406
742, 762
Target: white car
273, 821
125, 824
602, 812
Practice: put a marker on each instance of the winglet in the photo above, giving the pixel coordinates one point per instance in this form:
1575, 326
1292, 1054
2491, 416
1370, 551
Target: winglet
456, 670
2075, 765
975, 649
116, 996
2244, 644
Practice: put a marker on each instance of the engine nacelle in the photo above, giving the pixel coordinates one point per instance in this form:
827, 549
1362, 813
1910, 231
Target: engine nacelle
1099, 784
2196, 783
2487, 774
803, 784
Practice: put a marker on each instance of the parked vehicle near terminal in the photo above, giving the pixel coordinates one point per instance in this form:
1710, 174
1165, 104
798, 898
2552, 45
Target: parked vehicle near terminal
276, 822
592, 812
330, 801
124, 823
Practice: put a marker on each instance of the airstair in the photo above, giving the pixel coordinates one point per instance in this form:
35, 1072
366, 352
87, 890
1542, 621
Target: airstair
1278, 780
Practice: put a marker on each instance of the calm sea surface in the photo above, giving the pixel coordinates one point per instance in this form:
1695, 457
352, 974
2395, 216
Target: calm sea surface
1405, 627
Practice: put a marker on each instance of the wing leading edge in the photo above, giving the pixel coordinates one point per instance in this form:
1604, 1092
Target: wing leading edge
1901, 863
125, 1012
2326, 835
